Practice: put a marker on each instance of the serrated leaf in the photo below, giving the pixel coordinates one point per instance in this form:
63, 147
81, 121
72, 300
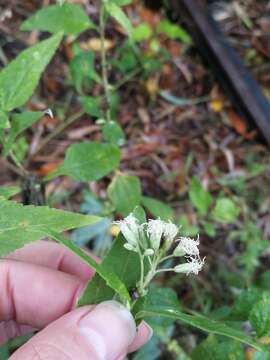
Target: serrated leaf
200, 198
200, 322
125, 264
110, 278
19, 123
125, 193
67, 18
91, 161
214, 348
19, 79
225, 211
20, 225
8, 191
260, 316
118, 14
158, 208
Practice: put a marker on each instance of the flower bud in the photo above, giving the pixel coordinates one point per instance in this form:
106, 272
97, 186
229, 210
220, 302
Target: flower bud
129, 247
149, 252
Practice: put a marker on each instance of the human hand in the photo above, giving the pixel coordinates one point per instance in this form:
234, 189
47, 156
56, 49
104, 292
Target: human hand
40, 285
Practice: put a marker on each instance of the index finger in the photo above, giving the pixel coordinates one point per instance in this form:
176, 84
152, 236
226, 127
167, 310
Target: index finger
54, 256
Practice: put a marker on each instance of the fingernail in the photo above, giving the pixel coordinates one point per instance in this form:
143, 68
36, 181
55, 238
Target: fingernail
150, 331
110, 328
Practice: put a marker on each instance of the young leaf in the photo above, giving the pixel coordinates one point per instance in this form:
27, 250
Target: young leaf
125, 264
200, 322
125, 193
82, 69
260, 316
158, 208
225, 211
141, 32
200, 198
174, 31
92, 105
118, 14
113, 133
20, 224
110, 278
8, 191
19, 79
67, 18
19, 123
91, 161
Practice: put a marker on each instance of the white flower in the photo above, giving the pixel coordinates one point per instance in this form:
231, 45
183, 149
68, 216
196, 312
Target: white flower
149, 252
155, 229
193, 266
187, 246
130, 228
170, 232
129, 247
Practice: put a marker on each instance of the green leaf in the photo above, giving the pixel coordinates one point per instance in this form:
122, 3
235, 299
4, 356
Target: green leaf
209, 229
244, 303
260, 316
225, 211
186, 228
200, 198
141, 32
19, 123
158, 208
139, 214
125, 193
112, 132
110, 278
123, 263
214, 348
67, 18
20, 225
122, 2
19, 79
201, 322
82, 69
92, 105
118, 14
8, 191
4, 120
91, 161
174, 31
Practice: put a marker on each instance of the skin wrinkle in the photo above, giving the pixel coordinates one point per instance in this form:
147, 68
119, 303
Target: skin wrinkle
9, 294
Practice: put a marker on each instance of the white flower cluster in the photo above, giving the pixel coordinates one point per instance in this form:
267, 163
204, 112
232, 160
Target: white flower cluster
155, 238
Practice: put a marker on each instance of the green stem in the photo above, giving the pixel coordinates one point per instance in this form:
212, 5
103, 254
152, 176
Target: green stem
104, 61
17, 163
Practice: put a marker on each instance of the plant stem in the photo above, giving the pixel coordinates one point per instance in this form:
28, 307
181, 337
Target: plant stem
104, 61
59, 129
17, 163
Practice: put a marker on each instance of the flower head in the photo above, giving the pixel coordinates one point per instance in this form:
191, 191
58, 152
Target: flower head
187, 246
193, 266
130, 228
155, 229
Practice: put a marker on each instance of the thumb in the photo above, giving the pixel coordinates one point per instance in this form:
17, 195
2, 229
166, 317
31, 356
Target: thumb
102, 332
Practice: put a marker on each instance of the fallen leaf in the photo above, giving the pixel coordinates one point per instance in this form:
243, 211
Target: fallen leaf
94, 44
46, 169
